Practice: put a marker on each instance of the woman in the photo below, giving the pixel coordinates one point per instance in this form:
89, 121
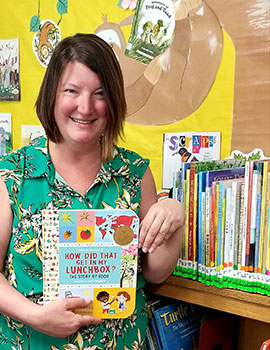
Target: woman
81, 106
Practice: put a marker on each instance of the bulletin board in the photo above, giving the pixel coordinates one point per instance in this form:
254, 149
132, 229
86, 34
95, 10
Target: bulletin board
215, 77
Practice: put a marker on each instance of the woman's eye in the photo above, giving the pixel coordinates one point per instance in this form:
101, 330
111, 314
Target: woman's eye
100, 92
71, 91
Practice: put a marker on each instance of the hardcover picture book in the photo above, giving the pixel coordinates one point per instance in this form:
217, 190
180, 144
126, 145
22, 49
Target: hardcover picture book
185, 147
91, 254
178, 324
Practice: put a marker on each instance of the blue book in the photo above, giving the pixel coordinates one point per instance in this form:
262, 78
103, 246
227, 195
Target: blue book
201, 190
178, 324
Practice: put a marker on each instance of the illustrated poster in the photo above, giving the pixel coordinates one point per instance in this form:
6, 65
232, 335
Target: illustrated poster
187, 147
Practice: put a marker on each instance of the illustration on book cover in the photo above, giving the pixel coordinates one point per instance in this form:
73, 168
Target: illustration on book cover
91, 254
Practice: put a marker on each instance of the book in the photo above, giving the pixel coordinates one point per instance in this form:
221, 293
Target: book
256, 192
211, 176
264, 205
178, 325
186, 147
93, 254
152, 30
152, 324
5, 133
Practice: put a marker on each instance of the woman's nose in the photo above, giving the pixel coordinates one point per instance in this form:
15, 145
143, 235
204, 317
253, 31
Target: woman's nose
85, 105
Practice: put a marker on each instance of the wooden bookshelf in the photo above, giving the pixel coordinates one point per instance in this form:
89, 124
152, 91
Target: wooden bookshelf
253, 309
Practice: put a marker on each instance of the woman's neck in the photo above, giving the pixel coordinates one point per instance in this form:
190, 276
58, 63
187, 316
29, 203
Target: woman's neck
78, 167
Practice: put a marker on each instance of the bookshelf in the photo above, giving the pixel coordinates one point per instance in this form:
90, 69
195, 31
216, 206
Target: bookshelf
253, 309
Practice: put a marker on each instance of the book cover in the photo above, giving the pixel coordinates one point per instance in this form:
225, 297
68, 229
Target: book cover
5, 133
186, 147
10, 70
92, 254
178, 325
152, 30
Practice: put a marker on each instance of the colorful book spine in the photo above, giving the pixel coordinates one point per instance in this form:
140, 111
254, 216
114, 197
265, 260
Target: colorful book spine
256, 190
191, 210
227, 233
266, 169
247, 209
266, 238
241, 226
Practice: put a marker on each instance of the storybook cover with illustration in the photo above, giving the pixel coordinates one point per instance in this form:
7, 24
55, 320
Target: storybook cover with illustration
91, 254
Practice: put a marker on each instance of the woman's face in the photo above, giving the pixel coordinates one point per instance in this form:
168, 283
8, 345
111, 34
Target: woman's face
80, 108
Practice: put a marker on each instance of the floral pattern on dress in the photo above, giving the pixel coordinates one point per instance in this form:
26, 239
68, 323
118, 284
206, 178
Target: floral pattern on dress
33, 186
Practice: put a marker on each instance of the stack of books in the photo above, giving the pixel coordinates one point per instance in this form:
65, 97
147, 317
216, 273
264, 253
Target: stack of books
226, 239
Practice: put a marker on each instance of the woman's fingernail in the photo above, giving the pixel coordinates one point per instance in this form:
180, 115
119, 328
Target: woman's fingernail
144, 249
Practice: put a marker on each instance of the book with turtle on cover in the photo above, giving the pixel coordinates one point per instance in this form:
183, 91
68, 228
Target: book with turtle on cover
92, 254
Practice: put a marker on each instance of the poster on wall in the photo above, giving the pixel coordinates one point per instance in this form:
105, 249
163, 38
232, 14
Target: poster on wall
9, 70
30, 132
182, 147
5, 133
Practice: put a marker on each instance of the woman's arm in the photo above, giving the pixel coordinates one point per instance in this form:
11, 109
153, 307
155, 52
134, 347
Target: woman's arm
49, 319
160, 231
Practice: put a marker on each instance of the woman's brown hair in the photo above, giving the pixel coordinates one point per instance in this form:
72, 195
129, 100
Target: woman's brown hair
97, 55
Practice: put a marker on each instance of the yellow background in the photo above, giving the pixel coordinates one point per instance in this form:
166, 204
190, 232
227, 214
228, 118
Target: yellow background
214, 114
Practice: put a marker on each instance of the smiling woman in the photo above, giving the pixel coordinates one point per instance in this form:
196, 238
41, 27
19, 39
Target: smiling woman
81, 105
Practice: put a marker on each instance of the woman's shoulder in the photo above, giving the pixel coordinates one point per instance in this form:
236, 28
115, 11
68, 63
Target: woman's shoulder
132, 156
18, 158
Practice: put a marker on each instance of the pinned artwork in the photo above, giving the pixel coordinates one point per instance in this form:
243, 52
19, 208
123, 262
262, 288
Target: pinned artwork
92, 254
9, 70
45, 40
5, 133
47, 33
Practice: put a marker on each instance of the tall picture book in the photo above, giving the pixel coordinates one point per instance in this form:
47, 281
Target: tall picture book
91, 254
186, 147
178, 324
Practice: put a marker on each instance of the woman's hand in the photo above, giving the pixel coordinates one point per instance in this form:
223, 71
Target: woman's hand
161, 221
57, 319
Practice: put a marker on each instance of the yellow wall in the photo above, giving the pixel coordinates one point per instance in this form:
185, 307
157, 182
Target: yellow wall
215, 113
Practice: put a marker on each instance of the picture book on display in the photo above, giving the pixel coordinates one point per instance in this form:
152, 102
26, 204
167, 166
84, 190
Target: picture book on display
185, 147
91, 254
178, 324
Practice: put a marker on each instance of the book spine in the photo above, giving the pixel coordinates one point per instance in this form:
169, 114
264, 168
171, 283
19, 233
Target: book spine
265, 228
257, 237
247, 207
212, 225
263, 213
187, 210
216, 220
195, 229
241, 226
191, 211
207, 219
227, 240
256, 189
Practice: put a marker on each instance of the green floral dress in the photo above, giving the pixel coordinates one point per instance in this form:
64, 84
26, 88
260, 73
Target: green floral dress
32, 186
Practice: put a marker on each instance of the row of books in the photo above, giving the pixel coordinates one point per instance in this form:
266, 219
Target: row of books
226, 239
175, 324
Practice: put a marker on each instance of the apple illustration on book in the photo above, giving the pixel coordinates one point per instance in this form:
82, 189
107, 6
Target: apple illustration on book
85, 234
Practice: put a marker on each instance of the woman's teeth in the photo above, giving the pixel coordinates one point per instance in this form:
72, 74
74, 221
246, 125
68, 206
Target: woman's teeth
82, 121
